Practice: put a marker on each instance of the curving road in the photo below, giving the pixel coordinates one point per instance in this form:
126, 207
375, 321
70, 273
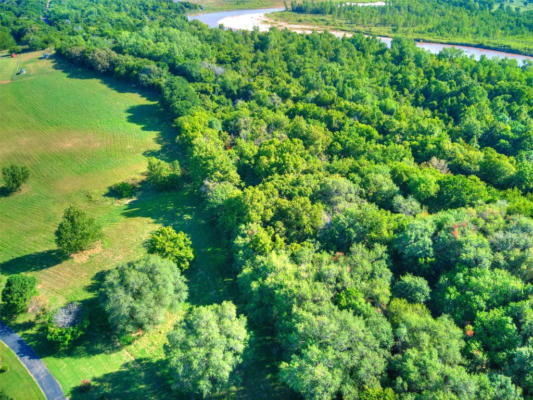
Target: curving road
50, 387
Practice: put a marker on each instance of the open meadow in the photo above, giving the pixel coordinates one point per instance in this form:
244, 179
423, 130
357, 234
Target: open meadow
80, 134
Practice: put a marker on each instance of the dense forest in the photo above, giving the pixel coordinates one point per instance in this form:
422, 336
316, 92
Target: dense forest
377, 202
486, 23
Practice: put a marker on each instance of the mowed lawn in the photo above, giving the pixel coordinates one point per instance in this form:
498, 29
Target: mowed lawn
79, 134
16, 382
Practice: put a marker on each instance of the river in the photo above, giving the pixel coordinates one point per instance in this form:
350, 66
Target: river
248, 19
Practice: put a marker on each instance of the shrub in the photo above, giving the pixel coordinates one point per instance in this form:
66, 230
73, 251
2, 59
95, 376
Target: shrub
76, 231
176, 246
66, 325
123, 190
15, 176
17, 292
163, 175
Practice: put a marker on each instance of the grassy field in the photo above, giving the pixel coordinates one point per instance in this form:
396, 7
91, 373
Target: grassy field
16, 382
225, 5
79, 134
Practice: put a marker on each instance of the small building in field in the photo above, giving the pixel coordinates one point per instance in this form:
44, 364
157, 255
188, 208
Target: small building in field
13, 55
45, 56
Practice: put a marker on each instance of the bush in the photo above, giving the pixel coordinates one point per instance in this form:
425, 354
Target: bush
17, 292
137, 294
66, 326
76, 231
123, 190
163, 175
15, 176
176, 246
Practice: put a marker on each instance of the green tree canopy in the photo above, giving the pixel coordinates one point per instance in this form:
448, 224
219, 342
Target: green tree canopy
17, 292
76, 231
176, 246
205, 347
136, 295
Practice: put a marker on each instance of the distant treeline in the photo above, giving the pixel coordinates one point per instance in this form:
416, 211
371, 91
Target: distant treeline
459, 20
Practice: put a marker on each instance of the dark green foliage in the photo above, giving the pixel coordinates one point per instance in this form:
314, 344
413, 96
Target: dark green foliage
15, 176
137, 294
176, 246
205, 347
76, 231
123, 189
17, 292
414, 289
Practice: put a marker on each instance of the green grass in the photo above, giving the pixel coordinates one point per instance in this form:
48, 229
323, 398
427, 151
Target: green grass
225, 5
16, 382
80, 134
8, 67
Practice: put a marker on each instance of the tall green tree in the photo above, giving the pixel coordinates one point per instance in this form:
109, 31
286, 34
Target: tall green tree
76, 231
136, 295
205, 347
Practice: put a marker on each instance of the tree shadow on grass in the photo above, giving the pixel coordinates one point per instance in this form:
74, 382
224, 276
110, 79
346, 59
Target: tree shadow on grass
136, 380
32, 262
210, 276
153, 118
74, 71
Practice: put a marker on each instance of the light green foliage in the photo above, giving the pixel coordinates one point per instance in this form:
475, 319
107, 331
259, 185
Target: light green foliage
176, 246
319, 370
76, 231
17, 292
465, 292
137, 294
498, 334
15, 176
163, 175
365, 223
205, 347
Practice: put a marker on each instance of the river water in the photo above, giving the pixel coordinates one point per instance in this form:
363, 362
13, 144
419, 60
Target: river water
213, 20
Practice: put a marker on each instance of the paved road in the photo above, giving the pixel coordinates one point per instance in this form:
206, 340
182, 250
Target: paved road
33, 363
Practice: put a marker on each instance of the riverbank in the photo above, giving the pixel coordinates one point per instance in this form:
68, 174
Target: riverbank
232, 5
515, 45
267, 18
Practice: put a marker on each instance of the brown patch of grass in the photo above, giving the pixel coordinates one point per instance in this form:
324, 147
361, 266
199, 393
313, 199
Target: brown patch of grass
84, 255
